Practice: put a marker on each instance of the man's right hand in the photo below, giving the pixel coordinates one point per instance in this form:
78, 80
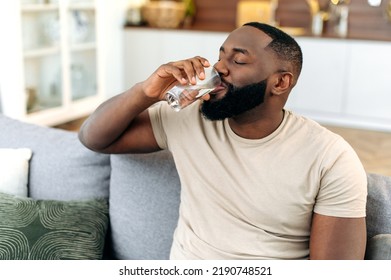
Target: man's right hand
179, 72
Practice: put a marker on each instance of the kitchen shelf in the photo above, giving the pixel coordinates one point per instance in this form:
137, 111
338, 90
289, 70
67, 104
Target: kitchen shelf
34, 8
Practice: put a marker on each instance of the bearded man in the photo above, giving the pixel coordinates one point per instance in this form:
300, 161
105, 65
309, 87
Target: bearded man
257, 181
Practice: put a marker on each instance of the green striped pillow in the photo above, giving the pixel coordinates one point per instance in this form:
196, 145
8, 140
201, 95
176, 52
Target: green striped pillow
52, 230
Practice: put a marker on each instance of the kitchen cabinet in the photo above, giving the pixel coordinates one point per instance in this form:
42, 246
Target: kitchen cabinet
344, 82
368, 79
53, 59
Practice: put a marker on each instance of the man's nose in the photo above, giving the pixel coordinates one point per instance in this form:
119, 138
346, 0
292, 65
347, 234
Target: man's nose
221, 68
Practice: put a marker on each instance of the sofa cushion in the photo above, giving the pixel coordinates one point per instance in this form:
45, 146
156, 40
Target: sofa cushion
14, 170
49, 230
379, 247
378, 205
144, 202
61, 167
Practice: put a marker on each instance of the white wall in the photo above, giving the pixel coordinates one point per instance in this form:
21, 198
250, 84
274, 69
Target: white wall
10, 41
1, 106
115, 12
114, 33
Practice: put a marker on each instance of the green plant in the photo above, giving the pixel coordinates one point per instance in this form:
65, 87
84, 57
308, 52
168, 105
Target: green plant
190, 8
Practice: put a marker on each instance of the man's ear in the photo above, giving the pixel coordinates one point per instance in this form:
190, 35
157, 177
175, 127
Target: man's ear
282, 83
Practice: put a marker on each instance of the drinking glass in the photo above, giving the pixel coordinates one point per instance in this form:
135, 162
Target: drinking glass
181, 96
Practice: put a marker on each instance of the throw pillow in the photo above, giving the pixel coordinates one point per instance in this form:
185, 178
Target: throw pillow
52, 230
14, 170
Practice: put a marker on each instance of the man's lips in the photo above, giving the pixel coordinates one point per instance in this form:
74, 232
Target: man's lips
220, 87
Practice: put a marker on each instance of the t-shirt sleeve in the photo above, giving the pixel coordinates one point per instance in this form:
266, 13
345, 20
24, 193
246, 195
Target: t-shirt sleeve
155, 114
343, 189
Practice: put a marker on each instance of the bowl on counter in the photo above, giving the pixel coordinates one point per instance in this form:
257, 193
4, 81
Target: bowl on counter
164, 14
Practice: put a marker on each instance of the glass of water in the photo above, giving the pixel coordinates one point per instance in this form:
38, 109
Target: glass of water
181, 96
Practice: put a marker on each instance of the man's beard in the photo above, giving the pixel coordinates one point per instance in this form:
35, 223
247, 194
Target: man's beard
236, 101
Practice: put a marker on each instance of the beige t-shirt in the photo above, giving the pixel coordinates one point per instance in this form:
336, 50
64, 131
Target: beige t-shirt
254, 199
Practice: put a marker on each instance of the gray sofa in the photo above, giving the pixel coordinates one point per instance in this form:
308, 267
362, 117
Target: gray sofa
142, 190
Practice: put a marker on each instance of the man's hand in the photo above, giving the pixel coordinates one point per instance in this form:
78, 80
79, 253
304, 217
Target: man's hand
167, 75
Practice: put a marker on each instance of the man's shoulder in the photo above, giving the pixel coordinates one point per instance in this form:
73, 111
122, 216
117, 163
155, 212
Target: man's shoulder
308, 125
315, 134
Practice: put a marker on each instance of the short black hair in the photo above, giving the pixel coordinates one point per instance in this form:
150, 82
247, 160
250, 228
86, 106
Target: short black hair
285, 47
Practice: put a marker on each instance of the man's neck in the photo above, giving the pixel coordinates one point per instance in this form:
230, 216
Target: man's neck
251, 126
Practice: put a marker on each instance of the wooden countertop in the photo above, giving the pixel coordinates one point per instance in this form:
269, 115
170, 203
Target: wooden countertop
303, 32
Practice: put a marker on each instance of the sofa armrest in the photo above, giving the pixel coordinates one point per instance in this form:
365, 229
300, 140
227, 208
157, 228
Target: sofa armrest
378, 205
378, 217
379, 247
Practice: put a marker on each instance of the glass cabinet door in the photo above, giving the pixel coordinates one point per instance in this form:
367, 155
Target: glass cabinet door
83, 50
60, 52
41, 39
52, 68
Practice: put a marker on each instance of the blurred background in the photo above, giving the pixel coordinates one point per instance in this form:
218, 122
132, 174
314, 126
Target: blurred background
61, 58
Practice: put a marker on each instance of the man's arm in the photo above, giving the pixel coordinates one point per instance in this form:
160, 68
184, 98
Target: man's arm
334, 238
119, 124
122, 124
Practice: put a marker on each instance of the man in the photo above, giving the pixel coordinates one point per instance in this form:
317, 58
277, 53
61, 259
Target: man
258, 181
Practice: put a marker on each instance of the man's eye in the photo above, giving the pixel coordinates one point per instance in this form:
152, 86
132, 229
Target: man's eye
239, 63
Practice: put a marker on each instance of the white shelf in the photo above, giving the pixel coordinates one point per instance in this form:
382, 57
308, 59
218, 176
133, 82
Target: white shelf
62, 114
34, 8
41, 52
81, 6
83, 47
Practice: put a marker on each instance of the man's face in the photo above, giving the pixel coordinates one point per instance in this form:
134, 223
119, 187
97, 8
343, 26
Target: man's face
244, 65
236, 101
